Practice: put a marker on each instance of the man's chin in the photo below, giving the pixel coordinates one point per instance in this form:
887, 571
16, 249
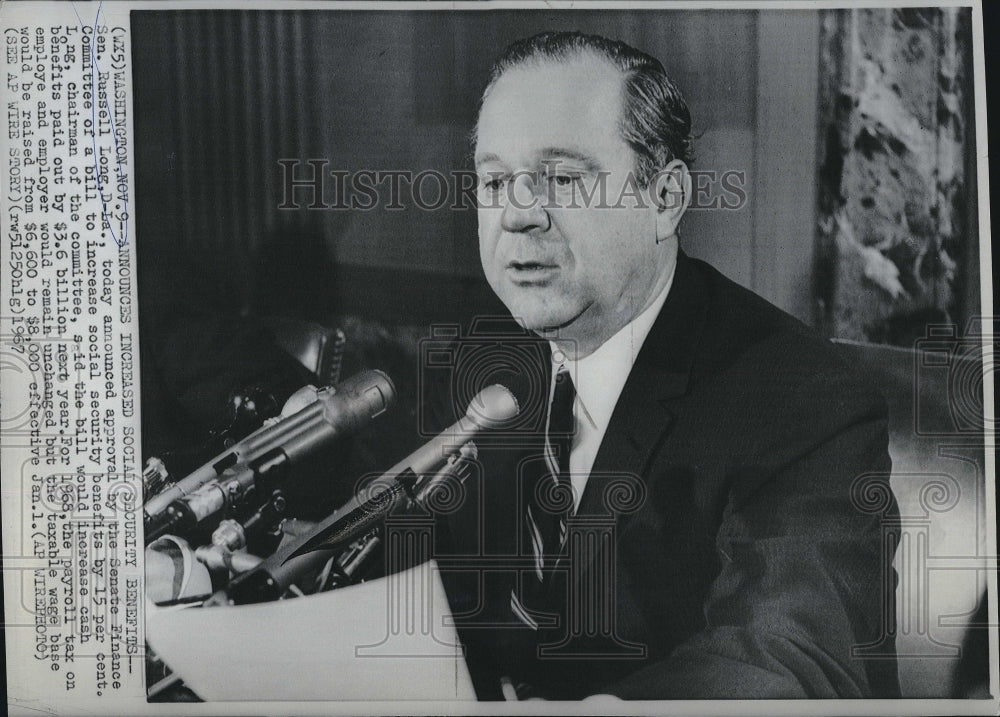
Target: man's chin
543, 324
543, 314
527, 323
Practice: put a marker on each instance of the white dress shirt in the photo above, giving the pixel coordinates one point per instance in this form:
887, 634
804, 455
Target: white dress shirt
599, 379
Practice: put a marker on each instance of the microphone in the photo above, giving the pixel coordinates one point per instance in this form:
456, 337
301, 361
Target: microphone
219, 494
337, 411
493, 407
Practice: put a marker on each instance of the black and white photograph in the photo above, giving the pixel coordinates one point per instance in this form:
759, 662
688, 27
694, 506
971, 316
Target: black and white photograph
586, 356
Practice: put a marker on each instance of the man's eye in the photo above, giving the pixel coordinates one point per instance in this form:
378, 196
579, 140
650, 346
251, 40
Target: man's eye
563, 179
492, 184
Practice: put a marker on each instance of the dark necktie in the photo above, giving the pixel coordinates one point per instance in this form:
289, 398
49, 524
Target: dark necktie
548, 498
558, 447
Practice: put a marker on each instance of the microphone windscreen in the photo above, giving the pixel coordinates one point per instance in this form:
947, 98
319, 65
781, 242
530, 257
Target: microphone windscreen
519, 384
520, 367
531, 393
493, 407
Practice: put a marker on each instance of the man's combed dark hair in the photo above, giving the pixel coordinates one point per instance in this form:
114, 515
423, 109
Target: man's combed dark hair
655, 119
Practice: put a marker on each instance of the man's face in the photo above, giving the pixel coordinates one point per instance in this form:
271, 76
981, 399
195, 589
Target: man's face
548, 130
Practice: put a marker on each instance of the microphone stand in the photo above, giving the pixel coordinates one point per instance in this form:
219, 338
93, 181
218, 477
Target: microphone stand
275, 576
185, 514
354, 540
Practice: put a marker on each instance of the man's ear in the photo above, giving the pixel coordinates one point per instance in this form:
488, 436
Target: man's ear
671, 188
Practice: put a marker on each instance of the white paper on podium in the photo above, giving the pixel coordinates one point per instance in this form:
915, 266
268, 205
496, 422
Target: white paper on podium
382, 640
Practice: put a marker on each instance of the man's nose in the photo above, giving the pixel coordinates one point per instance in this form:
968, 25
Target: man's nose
523, 211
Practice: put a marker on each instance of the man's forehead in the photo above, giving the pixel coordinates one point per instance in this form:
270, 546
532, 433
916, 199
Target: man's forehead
574, 67
549, 103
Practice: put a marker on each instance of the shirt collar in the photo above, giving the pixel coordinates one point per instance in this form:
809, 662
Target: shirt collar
600, 377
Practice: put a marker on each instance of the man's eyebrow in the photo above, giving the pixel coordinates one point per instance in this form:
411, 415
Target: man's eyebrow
586, 160
486, 157
548, 154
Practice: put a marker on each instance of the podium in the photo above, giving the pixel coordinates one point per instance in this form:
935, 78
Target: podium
391, 638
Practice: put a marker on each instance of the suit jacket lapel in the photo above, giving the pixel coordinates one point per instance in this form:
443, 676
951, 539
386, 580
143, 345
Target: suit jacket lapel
645, 410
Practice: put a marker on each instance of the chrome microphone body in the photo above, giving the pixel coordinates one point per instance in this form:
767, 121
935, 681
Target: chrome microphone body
336, 412
493, 407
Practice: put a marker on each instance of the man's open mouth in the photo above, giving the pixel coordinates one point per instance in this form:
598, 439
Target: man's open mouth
531, 273
529, 266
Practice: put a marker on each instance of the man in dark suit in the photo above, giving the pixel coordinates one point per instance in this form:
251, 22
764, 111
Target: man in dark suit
707, 513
